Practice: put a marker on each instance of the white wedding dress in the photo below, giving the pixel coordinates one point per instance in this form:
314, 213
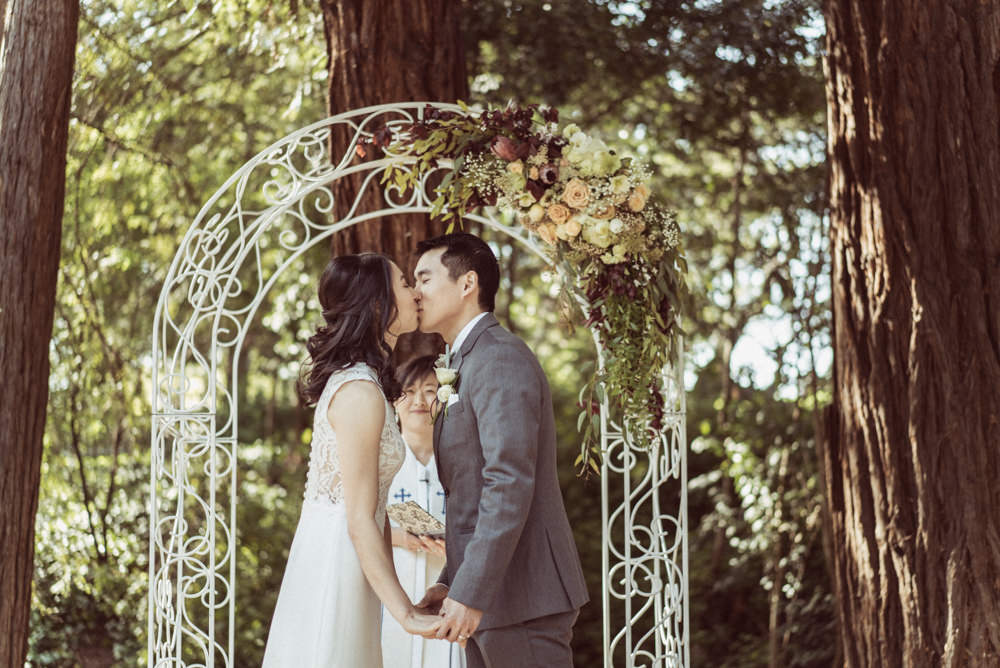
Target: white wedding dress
327, 615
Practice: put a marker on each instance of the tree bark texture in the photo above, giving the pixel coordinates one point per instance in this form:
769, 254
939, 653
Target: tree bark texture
911, 456
384, 51
36, 71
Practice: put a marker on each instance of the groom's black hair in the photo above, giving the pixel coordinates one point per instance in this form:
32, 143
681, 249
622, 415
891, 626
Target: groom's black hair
466, 252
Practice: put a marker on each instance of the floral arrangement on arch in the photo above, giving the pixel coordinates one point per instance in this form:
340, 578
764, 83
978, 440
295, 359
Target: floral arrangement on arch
593, 209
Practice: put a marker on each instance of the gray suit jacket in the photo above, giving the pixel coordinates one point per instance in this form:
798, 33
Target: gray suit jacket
510, 550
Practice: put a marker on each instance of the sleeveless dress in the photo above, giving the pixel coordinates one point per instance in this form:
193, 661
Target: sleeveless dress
327, 615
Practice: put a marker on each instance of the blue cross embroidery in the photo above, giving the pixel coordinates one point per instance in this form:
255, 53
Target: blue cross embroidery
402, 495
443, 502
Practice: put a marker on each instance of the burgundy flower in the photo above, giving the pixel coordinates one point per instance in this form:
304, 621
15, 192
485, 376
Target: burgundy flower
535, 188
548, 174
511, 149
505, 148
382, 137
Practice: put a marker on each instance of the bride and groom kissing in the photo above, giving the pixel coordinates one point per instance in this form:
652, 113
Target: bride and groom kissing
512, 584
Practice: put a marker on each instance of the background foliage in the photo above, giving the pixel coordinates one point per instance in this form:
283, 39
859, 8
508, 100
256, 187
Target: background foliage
723, 97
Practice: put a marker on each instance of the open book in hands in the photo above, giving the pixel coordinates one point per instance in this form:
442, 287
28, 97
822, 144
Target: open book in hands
411, 517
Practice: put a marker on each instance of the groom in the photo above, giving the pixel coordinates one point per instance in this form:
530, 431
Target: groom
512, 585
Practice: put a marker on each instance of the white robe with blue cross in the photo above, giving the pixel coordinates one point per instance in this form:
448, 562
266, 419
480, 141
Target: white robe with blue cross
417, 571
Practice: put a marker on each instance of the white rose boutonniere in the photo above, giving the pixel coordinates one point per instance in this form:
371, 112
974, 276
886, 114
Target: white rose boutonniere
445, 376
447, 379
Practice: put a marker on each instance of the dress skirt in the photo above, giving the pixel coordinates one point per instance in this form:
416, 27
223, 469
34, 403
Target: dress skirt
327, 615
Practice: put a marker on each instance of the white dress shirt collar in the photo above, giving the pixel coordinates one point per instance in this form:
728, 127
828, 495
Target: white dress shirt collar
460, 339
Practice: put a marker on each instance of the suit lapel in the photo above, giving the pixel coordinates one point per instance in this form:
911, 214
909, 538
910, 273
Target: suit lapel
487, 321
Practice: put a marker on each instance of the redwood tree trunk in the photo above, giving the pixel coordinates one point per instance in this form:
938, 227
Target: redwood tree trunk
383, 51
911, 454
36, 70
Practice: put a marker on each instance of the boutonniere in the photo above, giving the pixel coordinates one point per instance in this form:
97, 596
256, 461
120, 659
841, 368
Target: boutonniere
447, 379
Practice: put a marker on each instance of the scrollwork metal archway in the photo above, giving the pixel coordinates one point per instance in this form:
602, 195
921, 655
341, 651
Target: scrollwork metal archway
257, 224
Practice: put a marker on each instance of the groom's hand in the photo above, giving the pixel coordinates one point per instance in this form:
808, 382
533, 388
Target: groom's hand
458, 622
431, 602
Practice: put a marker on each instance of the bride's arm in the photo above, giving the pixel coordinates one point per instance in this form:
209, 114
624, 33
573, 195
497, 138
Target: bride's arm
387, 533
357, 414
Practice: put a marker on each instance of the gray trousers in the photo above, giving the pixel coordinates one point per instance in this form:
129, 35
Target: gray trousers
536, 643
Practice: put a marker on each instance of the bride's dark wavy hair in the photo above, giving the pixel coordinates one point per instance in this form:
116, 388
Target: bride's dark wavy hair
359, 305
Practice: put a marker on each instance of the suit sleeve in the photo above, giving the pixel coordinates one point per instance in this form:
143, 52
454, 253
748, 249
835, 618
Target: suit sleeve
506, 400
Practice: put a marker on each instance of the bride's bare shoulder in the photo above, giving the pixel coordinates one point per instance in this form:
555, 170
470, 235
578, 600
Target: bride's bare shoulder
359, 400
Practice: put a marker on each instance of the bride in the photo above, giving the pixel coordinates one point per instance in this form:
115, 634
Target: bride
340, 563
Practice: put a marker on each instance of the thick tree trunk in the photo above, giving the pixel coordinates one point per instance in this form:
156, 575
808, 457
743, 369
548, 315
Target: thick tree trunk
383, 51
36, 70
911, 452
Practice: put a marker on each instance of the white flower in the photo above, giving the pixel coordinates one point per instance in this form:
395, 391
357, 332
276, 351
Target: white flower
620, 184
617, 226
445, 391
598, 234
609, 163
445, 376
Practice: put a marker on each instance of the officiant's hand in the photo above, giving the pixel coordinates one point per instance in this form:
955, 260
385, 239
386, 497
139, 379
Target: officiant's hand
459, 621
432, 545
408, 541
421, 623
431, 602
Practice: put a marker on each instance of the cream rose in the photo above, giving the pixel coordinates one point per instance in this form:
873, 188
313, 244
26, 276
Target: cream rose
445, 391
558, 213
606, 212
576, 194
536, 213
516, 167
637, 200
571, 228
547, 232
533, 173
445, 376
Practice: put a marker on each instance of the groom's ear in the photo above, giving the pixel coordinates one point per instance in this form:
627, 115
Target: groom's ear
470, 282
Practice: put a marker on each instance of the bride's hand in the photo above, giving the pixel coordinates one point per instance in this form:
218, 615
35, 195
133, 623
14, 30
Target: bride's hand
421, 624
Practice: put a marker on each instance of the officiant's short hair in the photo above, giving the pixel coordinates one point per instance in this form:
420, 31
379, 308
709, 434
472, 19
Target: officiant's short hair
415, 369
466, 252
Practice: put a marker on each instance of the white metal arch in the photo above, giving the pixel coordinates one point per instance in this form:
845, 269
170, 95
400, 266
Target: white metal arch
271, 211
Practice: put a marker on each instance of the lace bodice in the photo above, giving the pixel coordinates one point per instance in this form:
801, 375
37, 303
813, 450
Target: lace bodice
323, 482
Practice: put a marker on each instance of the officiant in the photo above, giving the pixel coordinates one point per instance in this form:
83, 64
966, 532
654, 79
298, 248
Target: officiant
418, 559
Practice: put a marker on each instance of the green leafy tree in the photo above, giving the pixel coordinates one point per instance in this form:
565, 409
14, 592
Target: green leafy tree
36, 69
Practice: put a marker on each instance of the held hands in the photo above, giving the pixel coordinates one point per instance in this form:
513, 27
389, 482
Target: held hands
431, 602
421, 623
458, 621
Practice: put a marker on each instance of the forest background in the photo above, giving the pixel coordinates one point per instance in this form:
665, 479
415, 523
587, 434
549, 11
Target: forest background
725, 100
